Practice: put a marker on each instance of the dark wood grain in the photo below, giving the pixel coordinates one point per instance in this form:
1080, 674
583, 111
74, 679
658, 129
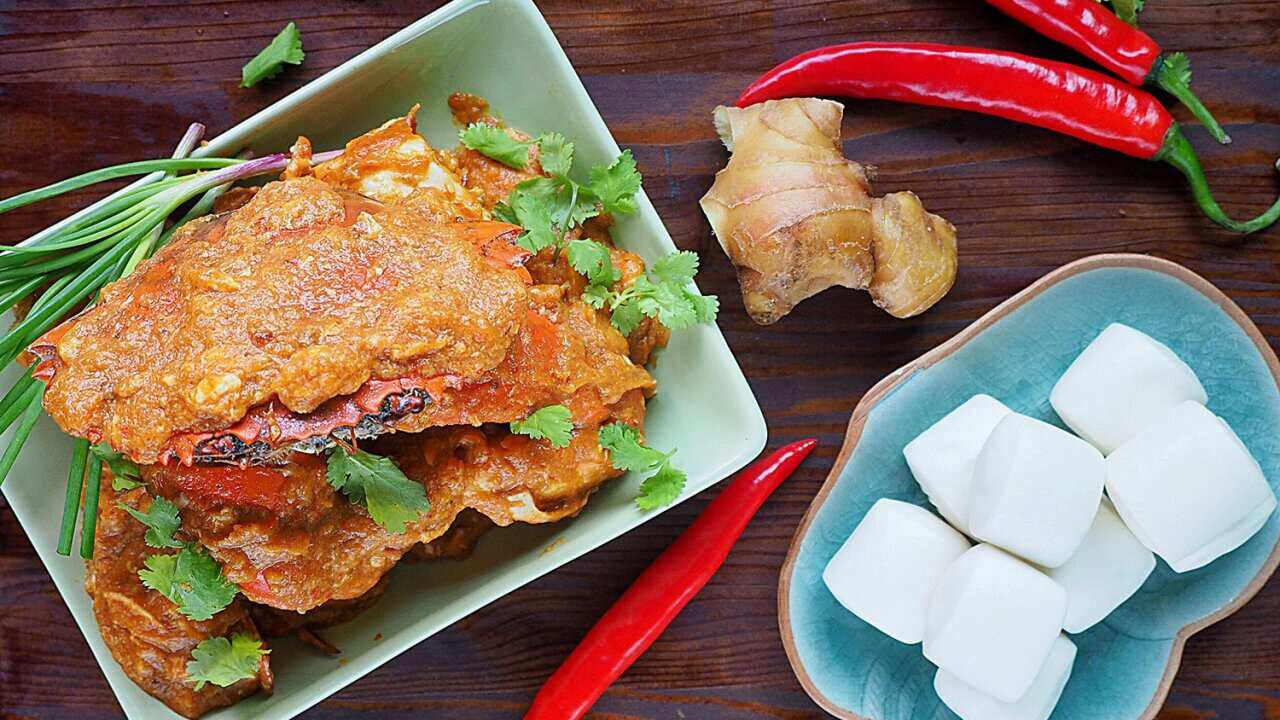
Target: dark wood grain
93, 82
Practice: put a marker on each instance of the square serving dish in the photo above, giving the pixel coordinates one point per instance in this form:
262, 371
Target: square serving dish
503, 50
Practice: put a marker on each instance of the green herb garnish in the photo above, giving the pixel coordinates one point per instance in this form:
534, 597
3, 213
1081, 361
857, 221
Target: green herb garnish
626, 452
375, 482
1127, 10
548, 207
555, 154
192, 579
663, 293
553, 423
285, 47
592, 260
616, 185
161, 519
494, 142
225, 662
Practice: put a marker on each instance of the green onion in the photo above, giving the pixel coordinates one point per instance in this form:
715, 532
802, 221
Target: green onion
110, 173
16, 392
31, 393
19, 291
73, 259
93, 481
30, 414
71, 505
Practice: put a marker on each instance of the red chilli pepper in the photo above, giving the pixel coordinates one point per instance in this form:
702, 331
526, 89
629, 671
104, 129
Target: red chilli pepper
662, 591
1053, 95
1096, 33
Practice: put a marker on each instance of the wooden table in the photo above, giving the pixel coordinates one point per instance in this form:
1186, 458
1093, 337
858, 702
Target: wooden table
88, 83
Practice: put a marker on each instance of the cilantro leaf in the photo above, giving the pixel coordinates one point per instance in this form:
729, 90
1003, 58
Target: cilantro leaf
158, 573
705, 307
615, 185
678, 267
568, 203
1127, 10
553, 423
546, 208
161, 520
545, 191
1178, 65
626, 452
504, 212
225, 662
285, 47
495, 143
627, 316
670, 304
555, 154
662, 488
531, 213
625, 449
192, 579
392, 499
596, 296
125, 474
592, 259
669, 299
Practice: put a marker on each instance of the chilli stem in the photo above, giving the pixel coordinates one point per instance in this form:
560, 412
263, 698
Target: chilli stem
1177, 151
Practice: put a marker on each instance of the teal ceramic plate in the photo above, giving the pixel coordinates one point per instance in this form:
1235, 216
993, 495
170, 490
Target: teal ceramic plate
503, 50
1016, 352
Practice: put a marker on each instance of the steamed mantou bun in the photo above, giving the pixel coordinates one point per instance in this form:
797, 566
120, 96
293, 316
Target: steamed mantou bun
1110, 565
993, 621
1036, 490
885, 572
1123, 381
1036, 704
942, 457
1188, 488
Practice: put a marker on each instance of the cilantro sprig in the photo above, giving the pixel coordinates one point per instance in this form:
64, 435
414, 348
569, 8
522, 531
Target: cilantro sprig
662, 293
224, 662
549, 207
1127, 10
191, 579
161, 519
616, 185
553, 423
592, 260
285, 47
375, 482
627, 452
496, 143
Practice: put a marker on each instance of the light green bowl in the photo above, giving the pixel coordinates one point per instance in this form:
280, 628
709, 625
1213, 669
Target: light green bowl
502, 50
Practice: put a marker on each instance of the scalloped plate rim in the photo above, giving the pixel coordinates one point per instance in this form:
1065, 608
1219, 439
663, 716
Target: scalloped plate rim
884, 387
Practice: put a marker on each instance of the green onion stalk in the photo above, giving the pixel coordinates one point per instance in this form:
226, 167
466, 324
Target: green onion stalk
67, 264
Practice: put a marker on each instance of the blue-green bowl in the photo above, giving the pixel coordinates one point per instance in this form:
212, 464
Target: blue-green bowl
1016, 353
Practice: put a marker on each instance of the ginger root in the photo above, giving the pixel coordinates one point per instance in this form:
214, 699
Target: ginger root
796, 217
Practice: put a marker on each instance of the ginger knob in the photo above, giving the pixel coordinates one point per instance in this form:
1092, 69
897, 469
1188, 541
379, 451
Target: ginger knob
796, 217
